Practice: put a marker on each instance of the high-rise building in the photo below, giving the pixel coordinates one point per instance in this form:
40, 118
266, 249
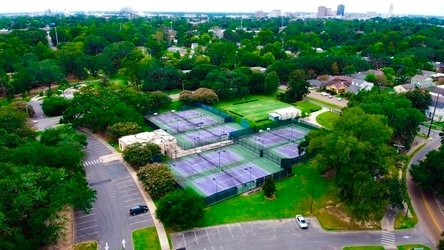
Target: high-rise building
275, 13
328, 12
341, 9
322, 11
259, 14
390, 10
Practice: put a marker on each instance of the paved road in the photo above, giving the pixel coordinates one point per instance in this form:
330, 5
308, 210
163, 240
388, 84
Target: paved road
109, 221
424, 203
43, 122
285, 234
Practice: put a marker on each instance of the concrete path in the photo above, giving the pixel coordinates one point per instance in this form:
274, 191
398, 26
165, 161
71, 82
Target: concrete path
312, 118
163, 239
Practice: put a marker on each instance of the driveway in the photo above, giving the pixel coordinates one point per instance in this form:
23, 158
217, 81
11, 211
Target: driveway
43, 122
109, 221
334, 100
285, 234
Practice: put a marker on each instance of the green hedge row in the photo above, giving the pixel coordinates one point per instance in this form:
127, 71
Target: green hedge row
237, 103
263, 120
235, 113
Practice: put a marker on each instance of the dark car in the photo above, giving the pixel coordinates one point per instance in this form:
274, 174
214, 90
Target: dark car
138, 209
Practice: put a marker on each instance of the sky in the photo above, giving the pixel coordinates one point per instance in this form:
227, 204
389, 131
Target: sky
426, 7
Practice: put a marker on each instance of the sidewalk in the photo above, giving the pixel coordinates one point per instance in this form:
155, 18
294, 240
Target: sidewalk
312, 117
163, 239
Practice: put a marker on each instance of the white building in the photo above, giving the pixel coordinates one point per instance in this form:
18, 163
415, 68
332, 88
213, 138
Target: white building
165, 141
275, 13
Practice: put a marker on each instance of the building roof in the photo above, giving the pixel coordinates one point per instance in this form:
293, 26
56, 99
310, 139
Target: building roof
419, 78
427, 73
315, 82
376, 72
287, 110
353, 89
338, 82
358, 76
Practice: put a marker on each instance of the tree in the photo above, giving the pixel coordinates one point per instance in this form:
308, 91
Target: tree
157, 179
55, 105
44, 73
428, 174
159, 99
205, 95
186, 96
15, 122
420, 99
335, 68
370, 78
323, 79
297, 87
63, 135
104, 81
121, 129
23, 107
94, 45
269, 187
138, 154
181, 209
356, 156
271, 83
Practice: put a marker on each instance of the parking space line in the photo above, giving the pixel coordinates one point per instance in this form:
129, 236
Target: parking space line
127, 190
139, 221
85, 221
94, 232
240, 225
133, 199
230, 232
183, 236
126, 186
128, 195
288, 230
86, 228
195, 236
123, 181
252, 230
207, 234
86, 215
219, 233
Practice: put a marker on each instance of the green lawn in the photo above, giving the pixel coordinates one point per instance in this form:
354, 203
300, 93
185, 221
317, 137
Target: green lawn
146, 238
412, 246
364, 248
4, 102
326, 119
307, 106
326, 104
255, 110
118, 79
293, 196
88, 245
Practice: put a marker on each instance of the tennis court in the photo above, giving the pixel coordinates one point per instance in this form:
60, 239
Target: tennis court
288, 150
203, 135
257, 110
205, 161
277, 136
230, 178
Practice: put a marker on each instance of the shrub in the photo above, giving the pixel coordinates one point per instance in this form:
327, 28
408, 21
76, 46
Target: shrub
123, 128
204, 95
269, 187
23, 107
55, 105
157, 179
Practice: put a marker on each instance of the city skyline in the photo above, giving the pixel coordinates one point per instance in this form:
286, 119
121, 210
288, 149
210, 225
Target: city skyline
430, 7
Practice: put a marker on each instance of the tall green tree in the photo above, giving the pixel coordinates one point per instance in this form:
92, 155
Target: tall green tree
138, 154
428, 173
271, 83
297, 87
420, 99
157, 179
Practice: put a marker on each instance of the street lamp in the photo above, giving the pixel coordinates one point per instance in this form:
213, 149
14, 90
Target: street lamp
246, 169
196, 139
220, 151
177, 125
215, 181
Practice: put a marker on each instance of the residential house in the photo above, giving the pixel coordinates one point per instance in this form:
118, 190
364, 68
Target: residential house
403, 88
427, 73
339, 84
419, 81
358, 85
439, 111
314, 83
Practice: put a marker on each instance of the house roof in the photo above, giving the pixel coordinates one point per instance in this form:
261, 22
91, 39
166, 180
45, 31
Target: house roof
353, 89
376, 72
338, 82
427, 73
315, 82
358, 76
419, 78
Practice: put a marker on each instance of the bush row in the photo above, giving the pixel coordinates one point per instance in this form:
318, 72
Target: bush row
235, 113
237, 103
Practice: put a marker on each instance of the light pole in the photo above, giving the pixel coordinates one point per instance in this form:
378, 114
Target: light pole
249, 168
220, 151
177, 125
215, 181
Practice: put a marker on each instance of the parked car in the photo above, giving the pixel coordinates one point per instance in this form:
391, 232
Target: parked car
330, 96
301, 221
339, 99
324, 93
138, 209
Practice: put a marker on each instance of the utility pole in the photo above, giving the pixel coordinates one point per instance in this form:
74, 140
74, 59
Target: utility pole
433, 115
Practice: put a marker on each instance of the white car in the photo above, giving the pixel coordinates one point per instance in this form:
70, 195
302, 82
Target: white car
339, 99
301, 221
324, 94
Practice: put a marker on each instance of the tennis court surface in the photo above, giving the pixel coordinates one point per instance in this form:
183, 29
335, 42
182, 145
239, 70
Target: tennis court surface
230, 178
205, 161
289, 150
277, 136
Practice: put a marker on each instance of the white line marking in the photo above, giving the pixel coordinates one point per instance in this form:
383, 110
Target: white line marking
133, 199
207, 235
85, 221
242, 230
139, 222
288, 231
85, 215
126, 186
219, 233
195, 236
252, 230
230, 232
183, 236
128, 195
94, 232
86, 228
127, 190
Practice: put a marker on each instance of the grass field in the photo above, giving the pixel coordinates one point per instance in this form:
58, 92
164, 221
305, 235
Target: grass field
293, 196
308, 107
326, 119
89, 245
255, 110
146, 238
326, 104
412, 246
4, 102
364, 248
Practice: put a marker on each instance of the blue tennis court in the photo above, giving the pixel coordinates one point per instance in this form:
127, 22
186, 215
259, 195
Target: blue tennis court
179, 125
273, 137
205, 161
289, 150
203, 135
171, 117
230, 178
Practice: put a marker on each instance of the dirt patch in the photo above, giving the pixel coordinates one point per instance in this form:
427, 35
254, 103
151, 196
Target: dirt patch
270, 198
334, 217
67, 240
329, 175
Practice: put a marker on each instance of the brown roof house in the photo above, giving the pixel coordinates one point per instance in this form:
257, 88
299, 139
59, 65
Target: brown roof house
339, 84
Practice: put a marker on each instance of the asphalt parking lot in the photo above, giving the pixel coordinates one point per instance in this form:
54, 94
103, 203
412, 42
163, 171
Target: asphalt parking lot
109, 222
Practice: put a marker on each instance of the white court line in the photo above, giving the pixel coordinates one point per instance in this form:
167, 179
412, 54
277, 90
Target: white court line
183, 236
230, 232
86, 215
133, 199
86, 228
195, 236
219, 233
207, 235
85, 222
139, 222
127, 190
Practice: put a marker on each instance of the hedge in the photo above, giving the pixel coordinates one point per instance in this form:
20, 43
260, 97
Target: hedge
235, 113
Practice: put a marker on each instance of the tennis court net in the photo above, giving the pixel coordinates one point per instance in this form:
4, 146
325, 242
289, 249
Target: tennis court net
227, 172
281, 136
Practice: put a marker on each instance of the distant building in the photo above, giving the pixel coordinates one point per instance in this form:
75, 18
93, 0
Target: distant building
189, 15
259, 14
371, 14
390, 10
328, 12
322, 11
275, 13
340, 11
